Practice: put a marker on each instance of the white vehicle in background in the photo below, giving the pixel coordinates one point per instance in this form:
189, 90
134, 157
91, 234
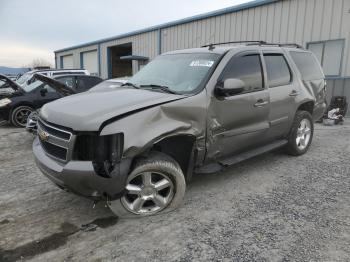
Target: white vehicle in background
26, 78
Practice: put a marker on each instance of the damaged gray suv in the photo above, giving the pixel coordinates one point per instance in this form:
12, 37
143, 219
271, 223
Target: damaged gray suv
188, 111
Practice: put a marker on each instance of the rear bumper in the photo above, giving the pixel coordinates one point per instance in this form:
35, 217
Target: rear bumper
319, 110
80, 178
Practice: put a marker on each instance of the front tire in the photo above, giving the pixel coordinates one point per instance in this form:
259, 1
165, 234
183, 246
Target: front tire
301, 134
19, 115
156, 184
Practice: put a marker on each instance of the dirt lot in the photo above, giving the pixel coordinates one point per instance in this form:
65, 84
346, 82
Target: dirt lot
271, 208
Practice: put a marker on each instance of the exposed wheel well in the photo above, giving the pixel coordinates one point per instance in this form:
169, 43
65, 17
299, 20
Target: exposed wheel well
307, 106
179, 147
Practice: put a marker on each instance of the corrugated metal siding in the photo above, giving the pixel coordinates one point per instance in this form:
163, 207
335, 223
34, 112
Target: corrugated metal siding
144, 44
299, 21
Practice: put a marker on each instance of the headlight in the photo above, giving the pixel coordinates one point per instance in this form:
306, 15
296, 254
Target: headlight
4, 102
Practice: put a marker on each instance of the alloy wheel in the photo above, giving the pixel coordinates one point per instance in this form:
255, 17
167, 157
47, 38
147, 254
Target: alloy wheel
148, 193
303, 134
22, 116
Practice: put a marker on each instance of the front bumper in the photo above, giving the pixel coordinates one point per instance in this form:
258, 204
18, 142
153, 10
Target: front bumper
4, 114
80, 178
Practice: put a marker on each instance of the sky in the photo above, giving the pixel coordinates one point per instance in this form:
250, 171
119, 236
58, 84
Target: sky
33, 29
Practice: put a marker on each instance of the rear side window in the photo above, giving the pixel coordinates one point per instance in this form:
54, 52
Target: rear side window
246, 68
278, 73
307, 65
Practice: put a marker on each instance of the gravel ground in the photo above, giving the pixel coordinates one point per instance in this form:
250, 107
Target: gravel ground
271, 208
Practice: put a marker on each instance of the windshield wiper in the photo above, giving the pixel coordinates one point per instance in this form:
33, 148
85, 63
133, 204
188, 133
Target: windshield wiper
131, 84
160, 87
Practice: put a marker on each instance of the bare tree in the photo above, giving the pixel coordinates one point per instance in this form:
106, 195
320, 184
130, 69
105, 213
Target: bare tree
38, 62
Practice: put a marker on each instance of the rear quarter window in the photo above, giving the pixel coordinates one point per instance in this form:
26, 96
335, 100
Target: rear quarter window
307, 65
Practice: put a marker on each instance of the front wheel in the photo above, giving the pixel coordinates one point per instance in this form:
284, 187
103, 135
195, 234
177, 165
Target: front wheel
20, 114
155, 184
301, 133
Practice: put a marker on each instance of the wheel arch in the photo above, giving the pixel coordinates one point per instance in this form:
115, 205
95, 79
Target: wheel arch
307, 106
180, 147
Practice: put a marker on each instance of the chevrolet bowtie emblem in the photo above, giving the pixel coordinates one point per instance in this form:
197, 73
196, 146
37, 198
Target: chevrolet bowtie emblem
44, 136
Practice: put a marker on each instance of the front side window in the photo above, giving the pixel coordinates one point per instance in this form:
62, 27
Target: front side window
68, 81
329, 54
246, 68
278, 73
49, 89
180, 73
24, 78
32, 86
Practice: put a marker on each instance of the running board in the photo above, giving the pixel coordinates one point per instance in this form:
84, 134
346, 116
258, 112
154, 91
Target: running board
215, 167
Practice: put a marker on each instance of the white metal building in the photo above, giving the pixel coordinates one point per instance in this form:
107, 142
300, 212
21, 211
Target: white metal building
320, 25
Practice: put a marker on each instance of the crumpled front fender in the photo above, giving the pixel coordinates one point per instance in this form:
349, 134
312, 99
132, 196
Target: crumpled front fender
142, 129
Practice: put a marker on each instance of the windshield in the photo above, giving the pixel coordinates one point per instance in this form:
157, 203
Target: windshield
180, 73
32, 86
24, 78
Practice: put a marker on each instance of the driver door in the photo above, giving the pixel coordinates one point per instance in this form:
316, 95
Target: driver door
45, 95
240, 121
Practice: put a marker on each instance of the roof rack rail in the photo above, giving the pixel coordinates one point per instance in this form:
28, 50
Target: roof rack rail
258, 42
280, 45
212, 45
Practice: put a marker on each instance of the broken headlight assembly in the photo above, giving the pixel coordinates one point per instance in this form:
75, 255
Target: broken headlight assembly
105, 152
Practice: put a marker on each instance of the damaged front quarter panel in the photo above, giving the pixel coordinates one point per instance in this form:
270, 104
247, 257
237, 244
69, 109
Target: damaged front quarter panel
143, 129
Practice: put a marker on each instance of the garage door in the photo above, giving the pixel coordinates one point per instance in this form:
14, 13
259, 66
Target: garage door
67, 62
90, 62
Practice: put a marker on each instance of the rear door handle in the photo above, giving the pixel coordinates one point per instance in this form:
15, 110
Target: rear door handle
260, 103
294, 93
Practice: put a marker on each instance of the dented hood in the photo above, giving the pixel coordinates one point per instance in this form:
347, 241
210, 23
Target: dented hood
88, 111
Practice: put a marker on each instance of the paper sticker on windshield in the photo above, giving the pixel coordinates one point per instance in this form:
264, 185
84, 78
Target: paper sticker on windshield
207, 63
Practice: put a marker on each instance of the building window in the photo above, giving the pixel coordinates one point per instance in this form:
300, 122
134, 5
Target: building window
329, 54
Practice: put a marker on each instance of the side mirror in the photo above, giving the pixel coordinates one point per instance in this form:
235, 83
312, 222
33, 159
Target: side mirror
230, 87
43, 91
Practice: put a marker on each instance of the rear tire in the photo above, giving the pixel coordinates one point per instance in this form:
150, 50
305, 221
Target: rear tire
19, 115
156, 184
301, 134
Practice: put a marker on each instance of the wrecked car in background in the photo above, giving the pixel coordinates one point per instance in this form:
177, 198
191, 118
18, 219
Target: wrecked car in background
187, 111
27, 78
15, 107
31, 125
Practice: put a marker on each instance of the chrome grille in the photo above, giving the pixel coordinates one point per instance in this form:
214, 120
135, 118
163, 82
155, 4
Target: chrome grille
56, 142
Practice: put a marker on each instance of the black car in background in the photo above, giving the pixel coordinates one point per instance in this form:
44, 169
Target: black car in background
17, 105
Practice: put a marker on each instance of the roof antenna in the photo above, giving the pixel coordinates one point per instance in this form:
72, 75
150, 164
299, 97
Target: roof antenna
211, 47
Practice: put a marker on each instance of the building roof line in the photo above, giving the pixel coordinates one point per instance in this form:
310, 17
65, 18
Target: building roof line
223, 11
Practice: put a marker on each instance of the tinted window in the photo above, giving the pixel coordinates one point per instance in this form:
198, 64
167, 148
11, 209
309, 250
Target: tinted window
49, 89
278, 73
246, 68
307, 65
85, 83
68, 81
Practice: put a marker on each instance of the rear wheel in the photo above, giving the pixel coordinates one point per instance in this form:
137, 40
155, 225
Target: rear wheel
19, 115
301, 133
156, 184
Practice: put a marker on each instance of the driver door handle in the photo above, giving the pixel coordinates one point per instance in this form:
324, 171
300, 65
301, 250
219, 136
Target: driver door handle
260, 103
